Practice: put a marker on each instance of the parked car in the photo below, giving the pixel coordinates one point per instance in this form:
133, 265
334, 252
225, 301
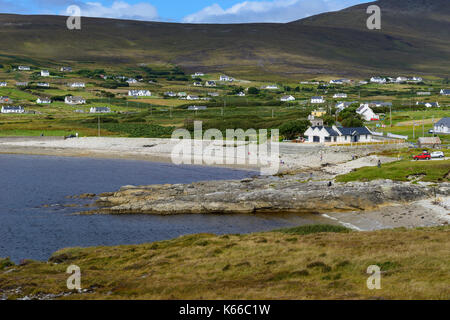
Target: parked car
431, 131
437, 154
423, 156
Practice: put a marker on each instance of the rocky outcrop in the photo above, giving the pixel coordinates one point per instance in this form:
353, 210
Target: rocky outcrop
269, 194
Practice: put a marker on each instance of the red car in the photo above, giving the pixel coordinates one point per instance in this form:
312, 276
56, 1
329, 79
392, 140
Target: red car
423, 156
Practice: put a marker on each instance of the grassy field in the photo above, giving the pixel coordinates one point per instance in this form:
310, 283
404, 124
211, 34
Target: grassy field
300, 263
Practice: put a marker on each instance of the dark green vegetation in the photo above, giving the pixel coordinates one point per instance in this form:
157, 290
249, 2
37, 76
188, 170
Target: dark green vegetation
314, 228
414, 38
267, 265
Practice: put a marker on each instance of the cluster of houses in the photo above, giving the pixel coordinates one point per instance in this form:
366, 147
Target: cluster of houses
12, 109
384, 80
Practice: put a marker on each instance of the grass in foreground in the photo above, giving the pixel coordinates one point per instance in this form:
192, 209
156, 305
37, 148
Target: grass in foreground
415, 264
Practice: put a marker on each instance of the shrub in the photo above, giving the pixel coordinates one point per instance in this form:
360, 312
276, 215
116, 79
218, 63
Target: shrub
314, 228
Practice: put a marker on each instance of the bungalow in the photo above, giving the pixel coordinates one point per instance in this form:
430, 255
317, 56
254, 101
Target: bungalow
170, 94
21, 84
241, 94
197, 74
423, 93
379, 104
197, 84
24, 68
45, 73
338, 134
213, 94
74, 100
182, 94
317, 100
340, 95
363, 82
191, 97
12, 109
66, 69
287, 98
378, 80
415, 79
442, 126
428, 104
77, 85
341, 105
195, 108
401, 79
340, 81
3, 84
226, 78
43, 100
210, 83
139, 93
271, 87
100, 110
445, 92
131, 81
43, 84
367, 113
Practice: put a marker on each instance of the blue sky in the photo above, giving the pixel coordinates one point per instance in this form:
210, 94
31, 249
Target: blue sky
190, 11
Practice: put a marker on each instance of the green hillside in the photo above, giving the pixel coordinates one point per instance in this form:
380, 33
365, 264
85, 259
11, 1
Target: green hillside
413, 40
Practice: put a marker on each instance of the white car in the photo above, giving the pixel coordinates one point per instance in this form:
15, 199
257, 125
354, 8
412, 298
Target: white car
437, 154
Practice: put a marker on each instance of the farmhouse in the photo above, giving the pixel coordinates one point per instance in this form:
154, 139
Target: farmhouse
340, 95
445, 92
341, 105
197, 74
428, 104
43, 84
401, 79
77, 85
378, 80
270, 87
12, 109
170, 94
197, 84
317, 100
139, 93
191, 97
367, 113
21, 84
131, 81
442, 126
340, 81
3, 84
100, 110
338, 134
66, 69
43, 100
287, 98
226, 78
24, 68
74, 100
241, 94
45, 73
210, 83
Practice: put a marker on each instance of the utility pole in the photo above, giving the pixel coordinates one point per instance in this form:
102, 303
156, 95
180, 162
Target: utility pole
99, 125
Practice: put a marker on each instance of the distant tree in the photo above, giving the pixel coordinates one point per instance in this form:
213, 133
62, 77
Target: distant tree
297, 89
253, 90
328, 120
294, 128
353, 122
287, 88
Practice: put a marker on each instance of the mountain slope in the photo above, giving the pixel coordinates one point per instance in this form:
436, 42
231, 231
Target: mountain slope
413, 39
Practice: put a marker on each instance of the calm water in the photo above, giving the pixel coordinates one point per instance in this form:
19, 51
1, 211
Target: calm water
29, 230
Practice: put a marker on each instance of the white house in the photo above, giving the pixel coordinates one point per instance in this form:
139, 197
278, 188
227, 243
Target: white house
338, 134
74, 100
367, 113
317, 100
445, 92
195, 108
287, 98
197, 84
43, 84
170, 94
191, 97
3, 84
12, 109
415, 79
363, 82
43, 100
77, 85
378, 80
197, 74
210, 83
424, 93
66, 69
45, 73
271, 87
340, 95
401, 79
100, 110
182, 94
428, 104
139, 93
24, 68
21, 84
340, 81
213, 94
442, 126
341, 105
131, 81
226, 78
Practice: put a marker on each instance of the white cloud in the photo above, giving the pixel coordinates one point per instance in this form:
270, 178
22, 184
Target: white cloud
267, 11
120, 10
